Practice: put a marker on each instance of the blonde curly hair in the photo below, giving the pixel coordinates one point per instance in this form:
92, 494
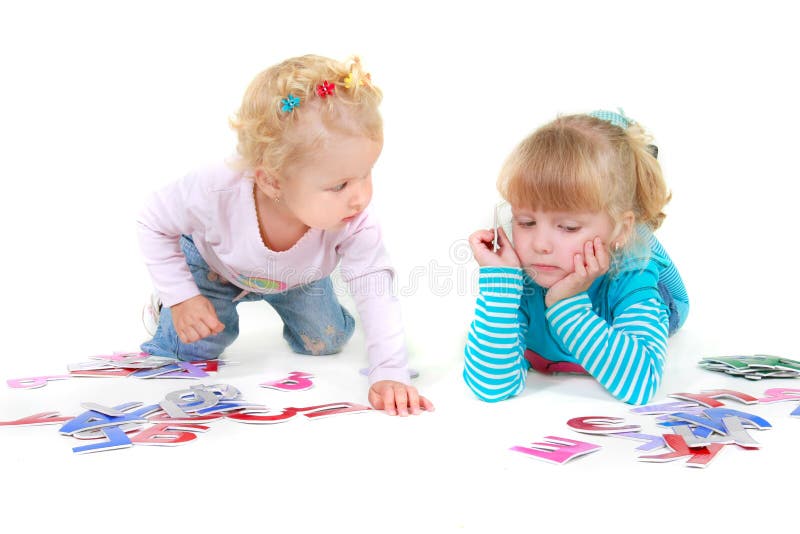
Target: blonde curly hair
271, 138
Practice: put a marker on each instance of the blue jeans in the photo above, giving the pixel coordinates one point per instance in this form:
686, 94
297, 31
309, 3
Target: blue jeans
313, 320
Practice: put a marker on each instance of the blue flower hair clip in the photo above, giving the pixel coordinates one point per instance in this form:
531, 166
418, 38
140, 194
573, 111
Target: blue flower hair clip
617, 119
289, 103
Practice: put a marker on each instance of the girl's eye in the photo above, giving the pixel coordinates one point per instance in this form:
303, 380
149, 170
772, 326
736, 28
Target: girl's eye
339, 187
570, 228
526, 224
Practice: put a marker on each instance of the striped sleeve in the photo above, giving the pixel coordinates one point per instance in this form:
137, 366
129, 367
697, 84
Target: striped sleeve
494, 367
627, 358
671, 278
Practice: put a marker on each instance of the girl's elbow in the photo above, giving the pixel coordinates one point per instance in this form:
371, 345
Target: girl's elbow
638, 397
639, 400
485, 395
490, 399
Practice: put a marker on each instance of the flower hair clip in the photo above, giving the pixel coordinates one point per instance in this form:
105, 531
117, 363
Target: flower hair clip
324, 89
348, 81
289, 103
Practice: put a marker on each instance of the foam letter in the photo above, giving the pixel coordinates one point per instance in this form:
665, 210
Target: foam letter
557, 450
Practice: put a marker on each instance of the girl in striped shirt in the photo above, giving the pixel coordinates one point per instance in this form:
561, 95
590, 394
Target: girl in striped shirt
585, 287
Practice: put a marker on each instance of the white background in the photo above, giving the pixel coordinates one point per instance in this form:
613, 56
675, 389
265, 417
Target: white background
102, 103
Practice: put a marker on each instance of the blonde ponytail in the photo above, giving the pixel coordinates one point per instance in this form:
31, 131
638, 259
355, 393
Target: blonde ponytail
651, 190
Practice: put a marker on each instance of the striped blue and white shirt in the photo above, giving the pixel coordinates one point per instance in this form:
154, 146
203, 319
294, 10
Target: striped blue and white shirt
617, 330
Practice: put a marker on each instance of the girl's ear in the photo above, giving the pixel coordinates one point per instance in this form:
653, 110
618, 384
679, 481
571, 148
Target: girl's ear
268, 183
625, 226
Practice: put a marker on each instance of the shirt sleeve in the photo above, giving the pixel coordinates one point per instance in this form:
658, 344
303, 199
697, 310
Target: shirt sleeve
626, 357
166, 215
671, 278
366, 269
494, 364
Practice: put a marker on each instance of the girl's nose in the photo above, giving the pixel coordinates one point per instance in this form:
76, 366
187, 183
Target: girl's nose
542, 243
361, 196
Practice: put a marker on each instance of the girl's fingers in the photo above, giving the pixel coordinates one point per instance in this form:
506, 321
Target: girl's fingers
506, 250
388, 401
602, 255
426, 404
202, 330
590, 251
480, 243
401, 400
481, 237
413, 400
502, 238
580, 268
188, 335
213, 325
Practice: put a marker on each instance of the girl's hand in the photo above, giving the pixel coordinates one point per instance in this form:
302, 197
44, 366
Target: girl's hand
397, 398
482, 248
195, 319
590, 265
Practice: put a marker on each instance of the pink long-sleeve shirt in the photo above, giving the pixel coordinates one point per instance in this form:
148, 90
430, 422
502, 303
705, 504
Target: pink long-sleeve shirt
216, 207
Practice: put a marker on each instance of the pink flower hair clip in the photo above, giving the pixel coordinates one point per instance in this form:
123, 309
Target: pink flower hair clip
324, 89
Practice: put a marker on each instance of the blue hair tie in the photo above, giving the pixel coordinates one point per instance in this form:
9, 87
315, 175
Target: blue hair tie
617, 119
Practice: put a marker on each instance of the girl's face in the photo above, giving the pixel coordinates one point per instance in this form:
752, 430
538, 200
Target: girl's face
329, 188
547, 241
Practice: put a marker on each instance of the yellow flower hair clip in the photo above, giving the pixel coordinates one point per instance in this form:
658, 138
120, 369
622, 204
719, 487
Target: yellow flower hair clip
348, 81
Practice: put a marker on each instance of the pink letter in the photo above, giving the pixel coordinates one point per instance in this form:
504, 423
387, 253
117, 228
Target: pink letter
334, 408
103, 372
42, 418
780, 394
262, 415
168, 434
707, 398
600, 424
34, 381
296, 381
557, 450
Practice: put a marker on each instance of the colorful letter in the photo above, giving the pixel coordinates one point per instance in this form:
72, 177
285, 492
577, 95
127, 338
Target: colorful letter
557, 450
600, 424
34, 381
296, 381
168, 434
699, 457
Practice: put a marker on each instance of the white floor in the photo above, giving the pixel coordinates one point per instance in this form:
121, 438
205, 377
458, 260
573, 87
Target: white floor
101, 106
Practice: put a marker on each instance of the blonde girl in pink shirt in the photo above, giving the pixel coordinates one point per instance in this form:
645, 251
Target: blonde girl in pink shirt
274, 222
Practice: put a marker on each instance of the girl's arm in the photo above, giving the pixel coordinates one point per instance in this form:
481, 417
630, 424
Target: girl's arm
164, 218
366, 268
494, 366
626, 357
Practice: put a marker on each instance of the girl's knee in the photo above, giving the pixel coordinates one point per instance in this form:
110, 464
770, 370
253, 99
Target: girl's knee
330, 340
